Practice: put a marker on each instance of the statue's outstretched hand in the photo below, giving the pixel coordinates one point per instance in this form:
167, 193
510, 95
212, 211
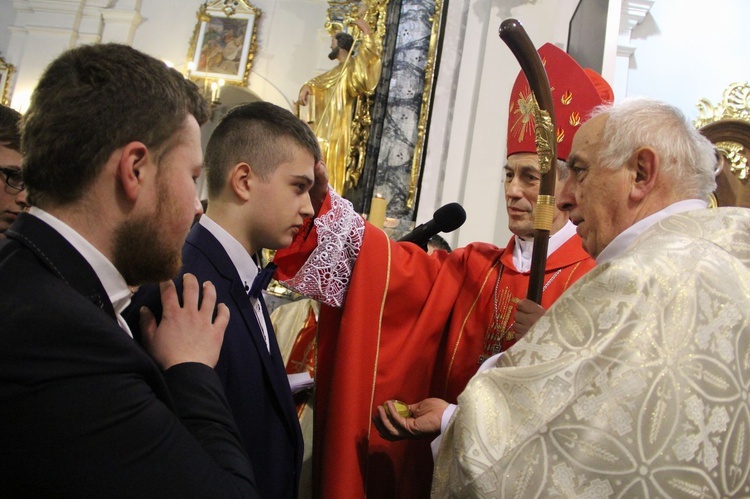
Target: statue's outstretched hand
304, 94
363, 25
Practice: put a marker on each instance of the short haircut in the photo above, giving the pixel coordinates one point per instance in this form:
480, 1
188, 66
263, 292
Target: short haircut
10, 128
344, 40
438, 242
259, 134
687, 157
89, 102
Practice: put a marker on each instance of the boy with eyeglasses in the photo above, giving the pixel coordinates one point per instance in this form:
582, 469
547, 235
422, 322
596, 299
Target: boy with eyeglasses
12, 193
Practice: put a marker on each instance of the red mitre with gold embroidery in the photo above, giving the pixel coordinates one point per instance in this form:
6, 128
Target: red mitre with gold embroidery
575, 93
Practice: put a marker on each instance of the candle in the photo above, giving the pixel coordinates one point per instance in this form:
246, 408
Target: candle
377, 211
214, 91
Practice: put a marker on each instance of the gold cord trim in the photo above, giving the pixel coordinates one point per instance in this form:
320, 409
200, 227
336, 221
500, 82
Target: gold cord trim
380, 328
463, 324
570, 276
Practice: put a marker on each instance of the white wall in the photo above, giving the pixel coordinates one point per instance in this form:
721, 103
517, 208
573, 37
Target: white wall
690, 49
292, 44
685, 50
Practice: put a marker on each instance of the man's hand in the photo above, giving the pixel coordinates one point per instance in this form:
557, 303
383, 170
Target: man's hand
423, 422
304, 94
527, 313
187, 333
320, 188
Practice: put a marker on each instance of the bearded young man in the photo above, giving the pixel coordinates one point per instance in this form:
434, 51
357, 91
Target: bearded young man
112, 150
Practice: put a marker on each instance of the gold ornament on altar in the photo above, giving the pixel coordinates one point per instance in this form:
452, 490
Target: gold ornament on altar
6, 70
727, 125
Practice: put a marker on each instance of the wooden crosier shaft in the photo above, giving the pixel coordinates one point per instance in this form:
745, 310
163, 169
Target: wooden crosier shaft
516, 38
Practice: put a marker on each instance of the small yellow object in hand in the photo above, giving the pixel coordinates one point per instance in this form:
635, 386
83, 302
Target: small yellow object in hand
401, 408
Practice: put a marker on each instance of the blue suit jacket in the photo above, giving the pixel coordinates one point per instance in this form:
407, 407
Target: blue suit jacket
255, 381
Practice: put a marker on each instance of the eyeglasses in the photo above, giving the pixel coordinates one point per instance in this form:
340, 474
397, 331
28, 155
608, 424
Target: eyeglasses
13, 178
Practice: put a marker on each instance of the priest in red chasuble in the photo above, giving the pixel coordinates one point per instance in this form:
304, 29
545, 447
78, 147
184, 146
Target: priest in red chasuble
401, 324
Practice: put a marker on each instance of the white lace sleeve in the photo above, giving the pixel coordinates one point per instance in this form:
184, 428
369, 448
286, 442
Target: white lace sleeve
326, 274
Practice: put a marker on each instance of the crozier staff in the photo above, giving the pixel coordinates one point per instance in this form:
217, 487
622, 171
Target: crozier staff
513, 34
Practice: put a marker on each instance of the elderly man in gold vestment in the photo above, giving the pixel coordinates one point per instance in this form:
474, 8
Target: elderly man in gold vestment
635, 382
332, 96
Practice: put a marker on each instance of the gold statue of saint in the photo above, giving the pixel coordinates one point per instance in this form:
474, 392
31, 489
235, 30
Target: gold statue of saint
332, 95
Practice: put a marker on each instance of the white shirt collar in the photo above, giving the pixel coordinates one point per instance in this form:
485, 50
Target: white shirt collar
626, 237
113, 282
523, 249
245, 265
241, 259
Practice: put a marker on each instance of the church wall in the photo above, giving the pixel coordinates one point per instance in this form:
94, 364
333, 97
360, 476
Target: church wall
684, 50
687, 50
292, 43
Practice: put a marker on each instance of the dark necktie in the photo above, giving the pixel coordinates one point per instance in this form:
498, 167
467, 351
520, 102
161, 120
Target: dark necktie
261, 280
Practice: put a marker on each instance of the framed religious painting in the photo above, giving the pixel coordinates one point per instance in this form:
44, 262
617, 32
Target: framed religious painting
5, 71
224, 42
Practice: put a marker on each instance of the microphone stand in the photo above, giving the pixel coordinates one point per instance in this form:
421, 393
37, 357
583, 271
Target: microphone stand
515, 36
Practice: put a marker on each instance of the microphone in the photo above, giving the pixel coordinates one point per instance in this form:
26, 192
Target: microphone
445, 219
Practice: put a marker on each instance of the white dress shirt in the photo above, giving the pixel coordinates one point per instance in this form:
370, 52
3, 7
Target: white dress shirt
113, 282
523, 249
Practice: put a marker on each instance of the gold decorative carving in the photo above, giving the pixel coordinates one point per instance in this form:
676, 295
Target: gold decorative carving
343, 13
735, 105
5, 71
429, 73
544, 136
223, 44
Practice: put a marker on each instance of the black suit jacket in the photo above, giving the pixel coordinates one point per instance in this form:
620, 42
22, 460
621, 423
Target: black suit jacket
255, 381
84, 411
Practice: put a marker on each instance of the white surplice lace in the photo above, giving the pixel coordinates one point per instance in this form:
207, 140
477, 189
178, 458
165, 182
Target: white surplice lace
326, 274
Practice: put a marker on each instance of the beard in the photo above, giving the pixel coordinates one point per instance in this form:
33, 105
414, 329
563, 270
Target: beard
334, 53
142, 252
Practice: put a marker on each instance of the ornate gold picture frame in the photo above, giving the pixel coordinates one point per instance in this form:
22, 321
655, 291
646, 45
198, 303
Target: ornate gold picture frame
727, 125
224, 42
5, 71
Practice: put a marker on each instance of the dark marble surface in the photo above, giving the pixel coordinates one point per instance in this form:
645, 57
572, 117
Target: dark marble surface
396, 109
361, 194
400, 125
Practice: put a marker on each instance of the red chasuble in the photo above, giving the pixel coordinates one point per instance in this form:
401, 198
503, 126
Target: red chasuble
413, 326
